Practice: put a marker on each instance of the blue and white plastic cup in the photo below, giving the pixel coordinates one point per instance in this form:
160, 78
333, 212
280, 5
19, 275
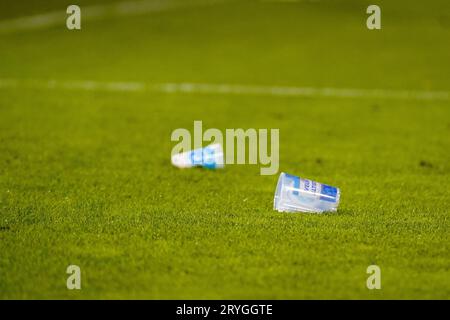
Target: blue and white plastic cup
295, 194
210, 157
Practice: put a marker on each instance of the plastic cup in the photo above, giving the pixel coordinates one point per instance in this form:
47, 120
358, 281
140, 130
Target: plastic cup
295, 194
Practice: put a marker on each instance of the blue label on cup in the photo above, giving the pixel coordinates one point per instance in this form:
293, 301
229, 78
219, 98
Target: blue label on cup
203, 157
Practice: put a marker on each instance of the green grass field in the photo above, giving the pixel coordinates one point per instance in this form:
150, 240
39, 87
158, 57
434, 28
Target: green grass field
86, 178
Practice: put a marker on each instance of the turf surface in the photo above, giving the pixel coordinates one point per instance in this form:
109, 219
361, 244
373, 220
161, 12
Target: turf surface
85, 176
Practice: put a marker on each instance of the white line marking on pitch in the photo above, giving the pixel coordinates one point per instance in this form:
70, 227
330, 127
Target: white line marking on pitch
118, 9
227, 89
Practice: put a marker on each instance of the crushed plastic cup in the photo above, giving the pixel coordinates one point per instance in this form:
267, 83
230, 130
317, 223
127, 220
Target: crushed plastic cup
210, 157
295, 194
